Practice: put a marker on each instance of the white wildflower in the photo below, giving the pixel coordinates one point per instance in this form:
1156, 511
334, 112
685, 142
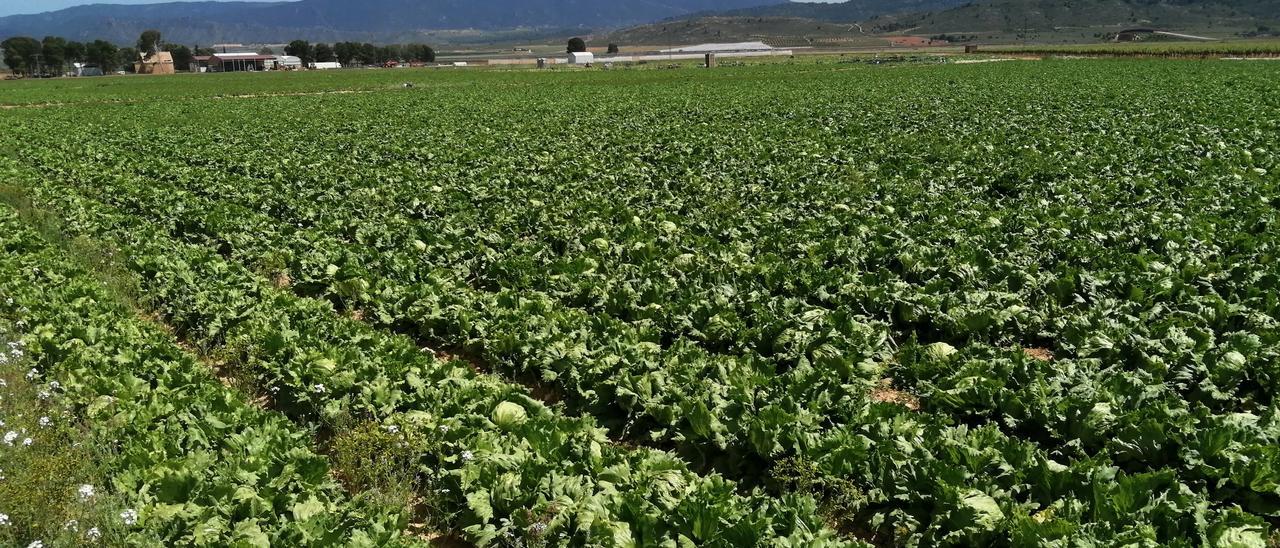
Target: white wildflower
319, 389
466, 456
45, 422
32, 374
129, 517
43, 395
26, 442
86, 491
9, 437
72, 526
93, 534
36, 544
4, 520
3, 384
55, 385
444, 428
393, 428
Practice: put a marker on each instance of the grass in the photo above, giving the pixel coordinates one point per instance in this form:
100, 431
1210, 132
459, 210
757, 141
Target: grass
47, 459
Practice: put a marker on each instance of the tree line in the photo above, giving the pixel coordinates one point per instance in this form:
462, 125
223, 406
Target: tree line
349, 53
54, 54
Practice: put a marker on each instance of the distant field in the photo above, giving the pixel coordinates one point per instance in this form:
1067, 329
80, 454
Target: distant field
1226, 47
810, 302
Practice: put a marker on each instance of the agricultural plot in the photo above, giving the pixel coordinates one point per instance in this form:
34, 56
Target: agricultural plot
786, 305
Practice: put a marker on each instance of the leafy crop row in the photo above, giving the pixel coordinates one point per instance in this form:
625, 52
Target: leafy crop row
197, 462
506, 464
733, 265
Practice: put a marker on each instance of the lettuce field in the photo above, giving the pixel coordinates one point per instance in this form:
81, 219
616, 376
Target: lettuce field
792, 305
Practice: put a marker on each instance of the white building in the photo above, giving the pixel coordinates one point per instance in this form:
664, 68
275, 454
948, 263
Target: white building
82, 69
288, 62
581, 58
721, 48
326, 65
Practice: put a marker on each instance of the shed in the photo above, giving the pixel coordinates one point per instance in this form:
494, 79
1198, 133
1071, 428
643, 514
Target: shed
581, 58
160, 62
288, 62
83, 69
237, 62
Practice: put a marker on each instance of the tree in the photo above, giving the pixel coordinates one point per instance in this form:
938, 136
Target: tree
149, 41
21, 54
266, 51
104, 54
182, 56
53, 51
74, 52
577, 45
126, 58
387, 54
324, 54
346, 52
300, 49
367, 54
613, 48
420, 52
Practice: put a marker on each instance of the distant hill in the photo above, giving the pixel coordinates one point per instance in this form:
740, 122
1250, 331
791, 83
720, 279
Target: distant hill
377, 20
872, 22
1048, 16
844, 12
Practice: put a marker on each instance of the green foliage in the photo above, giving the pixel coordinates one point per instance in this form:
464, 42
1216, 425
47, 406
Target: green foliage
103, 54
177, 457
20, 53
149, 41
735, 267
40, 480
301, 49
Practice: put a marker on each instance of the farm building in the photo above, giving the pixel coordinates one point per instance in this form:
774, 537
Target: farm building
84, 69
288, 62
581, 58
326, 65
238, 62
160, 62
721, 48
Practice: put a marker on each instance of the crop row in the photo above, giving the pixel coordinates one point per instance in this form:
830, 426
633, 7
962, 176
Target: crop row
744, 304
506, 464
196, 461
1120, 308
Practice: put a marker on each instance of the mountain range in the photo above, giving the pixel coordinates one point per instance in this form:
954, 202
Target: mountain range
377, 20
633, 21
877, 23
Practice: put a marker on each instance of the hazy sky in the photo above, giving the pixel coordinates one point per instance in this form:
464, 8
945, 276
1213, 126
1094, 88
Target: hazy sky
10, 7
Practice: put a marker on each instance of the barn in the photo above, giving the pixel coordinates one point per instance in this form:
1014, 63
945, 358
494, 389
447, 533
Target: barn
160, 62
239, 62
